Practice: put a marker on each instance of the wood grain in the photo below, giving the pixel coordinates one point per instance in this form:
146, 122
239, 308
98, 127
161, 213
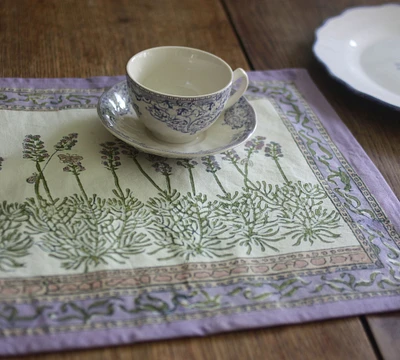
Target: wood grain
386, 331
82, 38
71, 38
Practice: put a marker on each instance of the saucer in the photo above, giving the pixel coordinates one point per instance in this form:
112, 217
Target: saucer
361, 47
233, 127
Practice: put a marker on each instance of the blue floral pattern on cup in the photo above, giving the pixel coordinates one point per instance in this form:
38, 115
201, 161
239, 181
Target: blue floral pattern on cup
187, 116
115, 110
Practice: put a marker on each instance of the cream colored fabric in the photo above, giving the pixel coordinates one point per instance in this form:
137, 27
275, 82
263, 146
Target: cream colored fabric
97, 179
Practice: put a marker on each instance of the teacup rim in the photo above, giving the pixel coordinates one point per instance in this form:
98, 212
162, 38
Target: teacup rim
173, 96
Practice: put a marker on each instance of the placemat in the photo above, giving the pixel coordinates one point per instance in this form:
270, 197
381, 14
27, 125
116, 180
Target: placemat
103, 245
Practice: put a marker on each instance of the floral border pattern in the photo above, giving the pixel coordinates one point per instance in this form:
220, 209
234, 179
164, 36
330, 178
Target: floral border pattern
48, 99
271, 267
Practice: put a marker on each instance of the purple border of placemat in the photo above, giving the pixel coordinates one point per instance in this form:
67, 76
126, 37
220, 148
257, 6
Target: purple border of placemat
204, 327
346, 144
97, 82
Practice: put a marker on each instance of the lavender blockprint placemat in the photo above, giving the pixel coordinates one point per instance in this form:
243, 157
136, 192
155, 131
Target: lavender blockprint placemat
103, 245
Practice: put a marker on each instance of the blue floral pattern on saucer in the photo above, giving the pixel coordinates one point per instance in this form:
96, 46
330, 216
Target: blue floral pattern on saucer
236, 116
117, 113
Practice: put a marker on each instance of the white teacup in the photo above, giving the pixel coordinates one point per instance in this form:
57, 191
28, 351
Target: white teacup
179, 92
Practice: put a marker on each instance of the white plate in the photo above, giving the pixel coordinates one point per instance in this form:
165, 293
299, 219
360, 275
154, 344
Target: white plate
361, 47
232, 128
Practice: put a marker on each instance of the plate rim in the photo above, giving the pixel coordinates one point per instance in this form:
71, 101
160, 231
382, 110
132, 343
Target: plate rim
347, 84
173, 154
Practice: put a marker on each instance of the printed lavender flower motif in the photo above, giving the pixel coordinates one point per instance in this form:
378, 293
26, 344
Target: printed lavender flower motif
255, 144
32, 179
211, 164
163, 168
134, 153
273, 150
187, 163
231, 155
1, 162
128, 150
75, 167
67, 142
246, 162
212, 167
73, 162
252, 146
160, 164
110, 155
33, 148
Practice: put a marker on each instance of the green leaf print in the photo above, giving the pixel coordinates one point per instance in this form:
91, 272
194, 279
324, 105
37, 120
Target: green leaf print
14, 242
84, 231
251, 223
186, 226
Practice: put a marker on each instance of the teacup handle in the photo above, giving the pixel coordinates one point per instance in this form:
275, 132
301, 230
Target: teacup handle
238, 74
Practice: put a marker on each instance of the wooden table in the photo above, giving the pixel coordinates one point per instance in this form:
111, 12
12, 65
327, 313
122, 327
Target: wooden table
81, 38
